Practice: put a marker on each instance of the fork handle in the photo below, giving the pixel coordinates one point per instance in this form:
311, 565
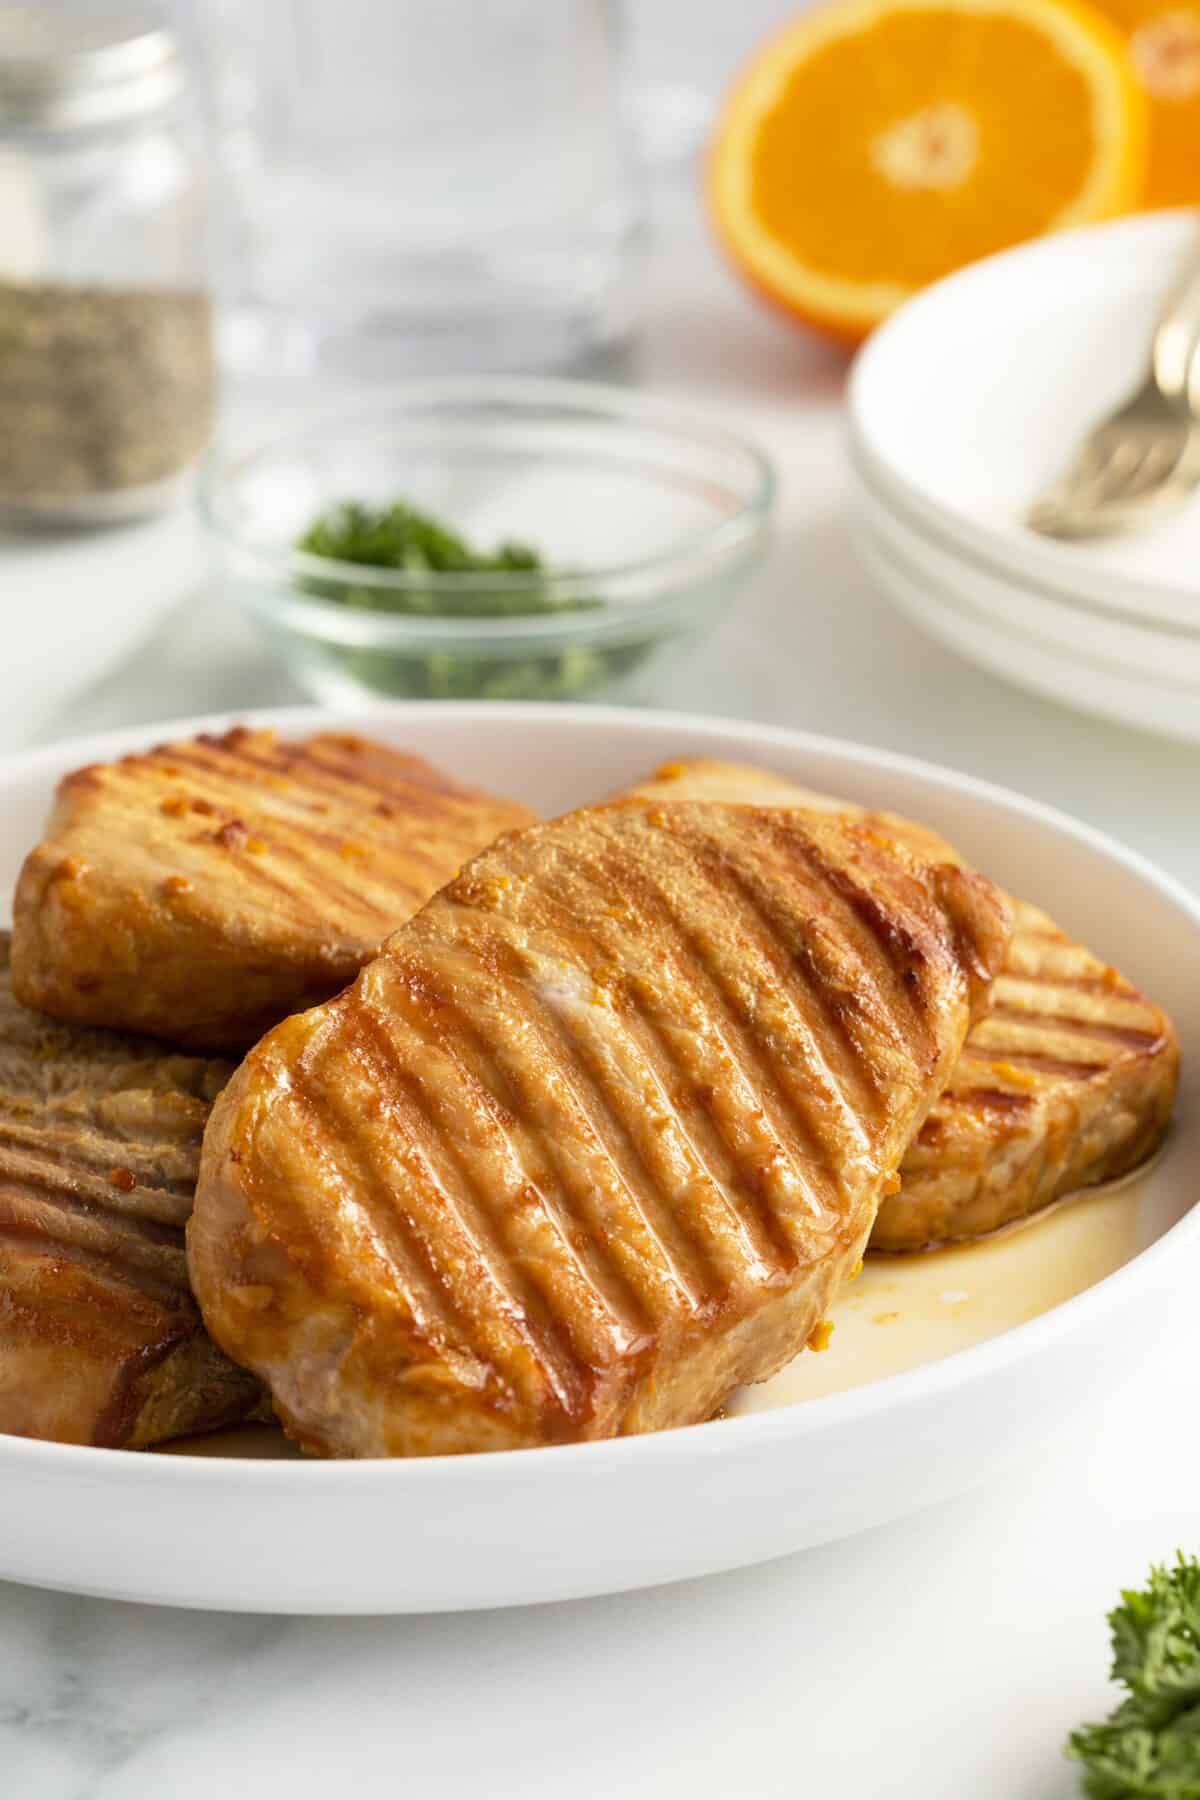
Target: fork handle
1177, 337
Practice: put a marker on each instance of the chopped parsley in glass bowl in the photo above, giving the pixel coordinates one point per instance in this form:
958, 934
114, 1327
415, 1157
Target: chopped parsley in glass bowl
489, 539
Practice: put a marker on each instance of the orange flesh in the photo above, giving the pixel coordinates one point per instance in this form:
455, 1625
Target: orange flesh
817, 185
1165, 42
874, 146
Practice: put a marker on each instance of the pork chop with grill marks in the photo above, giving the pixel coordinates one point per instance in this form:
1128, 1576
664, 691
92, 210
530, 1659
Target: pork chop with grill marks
596, 1138
100, 1339
1069, 1080
204, 890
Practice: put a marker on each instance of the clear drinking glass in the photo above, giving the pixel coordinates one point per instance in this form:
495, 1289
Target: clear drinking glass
420, 185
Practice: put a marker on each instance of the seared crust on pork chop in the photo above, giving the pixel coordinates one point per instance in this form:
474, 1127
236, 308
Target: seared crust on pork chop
1068, 1081
204, 890
596, 1138
100, 1339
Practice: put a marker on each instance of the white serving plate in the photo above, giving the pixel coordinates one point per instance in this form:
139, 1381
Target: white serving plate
1147, 675
497, 1530
977, 393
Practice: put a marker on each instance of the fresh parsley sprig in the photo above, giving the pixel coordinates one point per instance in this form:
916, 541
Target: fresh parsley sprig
1149, 1748
398, 536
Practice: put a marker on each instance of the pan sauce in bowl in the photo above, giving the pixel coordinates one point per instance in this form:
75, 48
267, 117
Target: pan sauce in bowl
906, 1310
901, 1311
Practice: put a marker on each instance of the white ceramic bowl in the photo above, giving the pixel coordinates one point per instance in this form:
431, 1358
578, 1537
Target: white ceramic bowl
440, 1534
1146, 675
978, 391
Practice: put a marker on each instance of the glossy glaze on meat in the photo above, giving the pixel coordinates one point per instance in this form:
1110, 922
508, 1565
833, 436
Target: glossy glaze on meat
596, 1137
100, 1339
206, 889
1069, 1080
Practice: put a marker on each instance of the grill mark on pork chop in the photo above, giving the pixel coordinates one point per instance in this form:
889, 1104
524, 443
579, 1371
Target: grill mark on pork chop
883, 954
410, 798
207, 889
791, 981
779, 1101
813, 985
819, 1008
459, 1197
263, 868
1080, 984
112, 1301
683, 1255
595, 1259
49, 1223
692, 1270
702, 1138
992, 1099
1091, 1109
392, 775
457, 1204
694, 1137
89, 1149
688, 1137
23, 1157
693, 983
41, 1188
1125, 1037
99, 1142
1072, 1068
396, 1235
316, 878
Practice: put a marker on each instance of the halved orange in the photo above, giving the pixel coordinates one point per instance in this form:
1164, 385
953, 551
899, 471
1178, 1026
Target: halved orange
875, 145
1164, 37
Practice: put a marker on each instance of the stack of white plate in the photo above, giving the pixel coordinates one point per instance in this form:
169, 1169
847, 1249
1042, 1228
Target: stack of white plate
963, 406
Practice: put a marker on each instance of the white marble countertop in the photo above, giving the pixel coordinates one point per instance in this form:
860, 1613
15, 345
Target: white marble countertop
942, 1657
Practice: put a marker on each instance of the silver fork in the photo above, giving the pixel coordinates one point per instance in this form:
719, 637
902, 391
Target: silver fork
1144, 459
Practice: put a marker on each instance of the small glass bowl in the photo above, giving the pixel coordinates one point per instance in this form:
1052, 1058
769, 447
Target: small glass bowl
647, 520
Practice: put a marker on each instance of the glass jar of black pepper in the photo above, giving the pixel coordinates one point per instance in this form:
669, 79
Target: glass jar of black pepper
106, 369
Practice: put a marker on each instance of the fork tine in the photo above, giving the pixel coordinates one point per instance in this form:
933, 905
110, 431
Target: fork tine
1115, 478
1137, 461
1082, 507
1096, 480
1081, 477
1125, 461
1161, 459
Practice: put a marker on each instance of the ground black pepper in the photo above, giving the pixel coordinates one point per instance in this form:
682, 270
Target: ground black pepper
103, 391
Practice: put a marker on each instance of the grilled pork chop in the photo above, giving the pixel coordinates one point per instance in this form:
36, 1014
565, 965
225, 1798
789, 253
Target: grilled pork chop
1069, 1080
100, 1339
204, 890
595, 1138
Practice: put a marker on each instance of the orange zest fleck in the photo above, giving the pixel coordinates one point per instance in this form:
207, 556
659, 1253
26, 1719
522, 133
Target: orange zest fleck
819, 1336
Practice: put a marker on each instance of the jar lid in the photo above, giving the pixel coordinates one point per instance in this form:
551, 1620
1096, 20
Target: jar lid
60, 73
